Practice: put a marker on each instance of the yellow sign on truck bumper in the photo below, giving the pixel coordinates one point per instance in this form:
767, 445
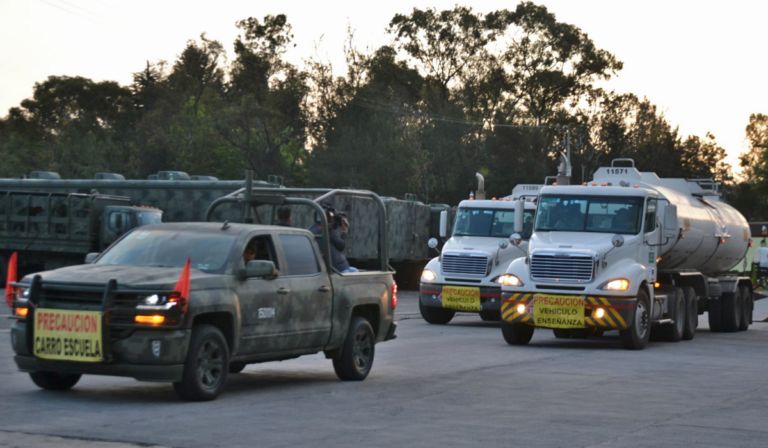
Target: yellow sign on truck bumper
67, 335
556, 311
461, 298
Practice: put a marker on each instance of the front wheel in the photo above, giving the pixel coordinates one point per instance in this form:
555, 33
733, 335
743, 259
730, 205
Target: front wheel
516, 334
437, 316
206, 366
636, 336
357, 353
747, 304
54, 380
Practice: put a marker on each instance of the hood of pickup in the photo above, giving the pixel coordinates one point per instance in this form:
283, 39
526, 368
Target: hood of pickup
162, 278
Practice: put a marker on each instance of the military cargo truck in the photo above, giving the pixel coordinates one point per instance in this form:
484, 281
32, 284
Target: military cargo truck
184, 199
128, 315
51, 230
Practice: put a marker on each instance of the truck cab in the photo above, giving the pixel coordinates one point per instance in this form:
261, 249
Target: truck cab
464, 277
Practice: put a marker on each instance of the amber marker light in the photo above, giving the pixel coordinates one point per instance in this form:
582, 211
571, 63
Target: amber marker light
657, 285
152, 319
22, 311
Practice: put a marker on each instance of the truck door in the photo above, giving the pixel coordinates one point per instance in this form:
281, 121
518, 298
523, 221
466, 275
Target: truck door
264, 317
651, 236
308, 303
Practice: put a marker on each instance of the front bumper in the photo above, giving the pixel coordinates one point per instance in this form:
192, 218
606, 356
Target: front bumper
131, 356
488, 298
618, 315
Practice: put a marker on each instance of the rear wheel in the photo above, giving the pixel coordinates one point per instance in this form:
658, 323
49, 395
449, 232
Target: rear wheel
54, 380
516, 334
357, 353
636, 336
437, 316
730, 311
715, 315
747, 304
677, 312
206, 366
692, 314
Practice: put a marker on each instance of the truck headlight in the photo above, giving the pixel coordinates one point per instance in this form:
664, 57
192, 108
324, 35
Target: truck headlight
428, 276
156, 302
508, 280
21, 294
617, 284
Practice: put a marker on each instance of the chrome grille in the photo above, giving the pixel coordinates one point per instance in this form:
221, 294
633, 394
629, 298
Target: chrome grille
576, 268
475, 265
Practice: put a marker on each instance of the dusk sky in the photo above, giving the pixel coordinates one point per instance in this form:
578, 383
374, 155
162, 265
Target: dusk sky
703, 63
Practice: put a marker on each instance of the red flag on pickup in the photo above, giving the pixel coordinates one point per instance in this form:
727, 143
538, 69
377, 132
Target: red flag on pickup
182, 286
11, 276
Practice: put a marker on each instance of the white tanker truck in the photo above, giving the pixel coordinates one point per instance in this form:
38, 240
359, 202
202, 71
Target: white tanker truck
631, 252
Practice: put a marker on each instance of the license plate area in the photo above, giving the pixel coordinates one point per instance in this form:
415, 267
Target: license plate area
558, 311
461, 298
68, 335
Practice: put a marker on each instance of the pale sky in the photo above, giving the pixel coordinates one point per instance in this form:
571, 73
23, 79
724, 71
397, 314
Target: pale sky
703, 63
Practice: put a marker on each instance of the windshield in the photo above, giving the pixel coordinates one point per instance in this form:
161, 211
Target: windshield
207, 252
150, 217
490, 222
604, 214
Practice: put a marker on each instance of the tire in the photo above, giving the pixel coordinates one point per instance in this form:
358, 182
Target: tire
516, 334
436, 316
636, 336
677, 312
692, 313
357, 353
54, 380
715, 315
730, 311
490, 316
236, 367
747, 304
206, 365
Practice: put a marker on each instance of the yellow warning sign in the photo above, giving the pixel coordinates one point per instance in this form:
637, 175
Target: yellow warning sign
68, 335
461, 298
554, 311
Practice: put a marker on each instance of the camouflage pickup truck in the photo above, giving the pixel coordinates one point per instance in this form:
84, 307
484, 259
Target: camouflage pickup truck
177, 302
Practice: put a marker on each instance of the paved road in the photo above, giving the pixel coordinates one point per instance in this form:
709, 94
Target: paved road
449, 386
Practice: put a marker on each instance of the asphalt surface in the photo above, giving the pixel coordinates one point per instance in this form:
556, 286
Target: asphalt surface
454, 385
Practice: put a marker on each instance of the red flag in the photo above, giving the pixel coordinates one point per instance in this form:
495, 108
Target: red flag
182, 286
11, 276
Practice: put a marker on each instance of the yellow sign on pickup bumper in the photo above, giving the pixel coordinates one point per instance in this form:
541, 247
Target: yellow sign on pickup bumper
555, 311
67, 335
461, 298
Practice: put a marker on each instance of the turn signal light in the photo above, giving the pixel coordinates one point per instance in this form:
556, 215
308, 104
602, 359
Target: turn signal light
152, 319
521, 308
21, 311
600, 313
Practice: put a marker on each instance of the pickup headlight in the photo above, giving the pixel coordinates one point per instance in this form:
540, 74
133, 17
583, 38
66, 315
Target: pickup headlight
428, 276
508, 280
157, 302
617, 284
21, 295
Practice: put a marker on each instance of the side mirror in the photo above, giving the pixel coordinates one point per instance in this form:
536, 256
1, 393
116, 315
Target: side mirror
90, 257
670, 222
432, 243
258, 268
519, 211
617, 240
443, 231
515, 239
